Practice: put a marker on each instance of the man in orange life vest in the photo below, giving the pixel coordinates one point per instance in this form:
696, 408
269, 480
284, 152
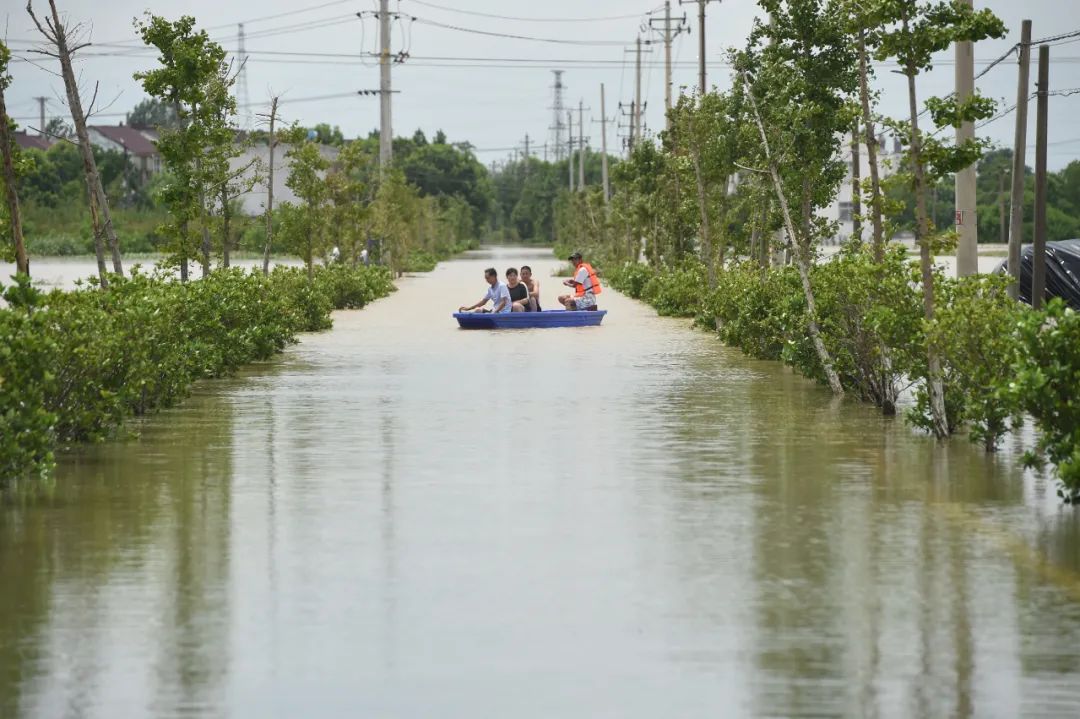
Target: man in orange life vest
585, 283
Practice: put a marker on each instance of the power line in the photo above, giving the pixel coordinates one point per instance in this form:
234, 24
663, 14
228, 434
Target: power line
510, 36
531, 19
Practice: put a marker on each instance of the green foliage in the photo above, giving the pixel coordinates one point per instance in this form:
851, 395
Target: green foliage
26, 425
74, 365
756, 309
975, 332
1047, 373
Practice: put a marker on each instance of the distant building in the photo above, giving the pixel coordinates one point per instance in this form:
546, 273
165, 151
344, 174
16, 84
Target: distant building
32, 142
842, 207
254, 202
136, 143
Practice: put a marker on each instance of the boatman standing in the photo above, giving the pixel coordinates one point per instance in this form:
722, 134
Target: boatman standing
497, 293
585, 283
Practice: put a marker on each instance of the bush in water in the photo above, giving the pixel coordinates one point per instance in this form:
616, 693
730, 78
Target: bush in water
74, 365
26, 426
1047, 370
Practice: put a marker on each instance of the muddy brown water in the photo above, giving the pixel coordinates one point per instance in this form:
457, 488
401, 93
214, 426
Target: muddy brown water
398, 518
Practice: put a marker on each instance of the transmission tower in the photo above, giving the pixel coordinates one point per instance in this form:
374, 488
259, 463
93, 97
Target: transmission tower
559, 124
242, 99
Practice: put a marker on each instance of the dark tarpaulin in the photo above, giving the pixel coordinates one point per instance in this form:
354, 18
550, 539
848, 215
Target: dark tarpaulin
1062, 271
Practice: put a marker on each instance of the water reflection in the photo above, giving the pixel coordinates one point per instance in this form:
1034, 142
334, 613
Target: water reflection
398, 518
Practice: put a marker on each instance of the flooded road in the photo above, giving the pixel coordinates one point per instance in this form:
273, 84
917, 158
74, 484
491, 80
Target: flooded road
402, 519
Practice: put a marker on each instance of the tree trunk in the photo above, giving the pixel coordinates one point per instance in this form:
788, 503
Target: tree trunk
226, 217
99, 242
270, 191
93, 178
935, 389
22, 262
876, 203
706, 238
801, 257
856, 183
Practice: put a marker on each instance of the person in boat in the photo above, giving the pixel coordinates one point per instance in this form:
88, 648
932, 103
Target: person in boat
519, 291
496, 293
533, 286
585, 283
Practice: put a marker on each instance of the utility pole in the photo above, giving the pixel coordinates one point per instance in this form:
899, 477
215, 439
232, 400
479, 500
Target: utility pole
526, 158
1019, 168
1038, 275
1003, 221
967, 225
570, 147
386, 132
603, 147
581, 145
668, 36
41, 113
701, 42
270, 188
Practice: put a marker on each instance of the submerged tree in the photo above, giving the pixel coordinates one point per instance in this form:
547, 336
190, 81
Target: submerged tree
913, 32
7, 155
62, 44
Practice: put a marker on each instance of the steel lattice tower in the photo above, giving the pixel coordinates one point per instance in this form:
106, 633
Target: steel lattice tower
243, 101
559, 124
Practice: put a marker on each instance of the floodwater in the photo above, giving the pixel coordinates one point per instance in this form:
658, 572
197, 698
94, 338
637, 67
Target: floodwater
398, 518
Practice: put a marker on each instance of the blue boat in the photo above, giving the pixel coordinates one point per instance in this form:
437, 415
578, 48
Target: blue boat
521, 320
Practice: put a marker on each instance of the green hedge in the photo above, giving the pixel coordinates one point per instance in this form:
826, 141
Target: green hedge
74, 365
1000, 359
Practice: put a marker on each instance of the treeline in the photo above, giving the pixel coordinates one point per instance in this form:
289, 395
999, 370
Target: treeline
436, 199
722, 220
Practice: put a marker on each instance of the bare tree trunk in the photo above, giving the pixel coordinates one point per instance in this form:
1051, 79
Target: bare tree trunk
706, 238
935, 388
801, 257
270, 191
99, 241
876, 203
56, 34
22, 262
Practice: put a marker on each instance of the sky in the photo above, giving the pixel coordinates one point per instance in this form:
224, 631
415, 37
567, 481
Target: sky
491, 90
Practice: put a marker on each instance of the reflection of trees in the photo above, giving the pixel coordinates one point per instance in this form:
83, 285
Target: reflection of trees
872, 586
136, 530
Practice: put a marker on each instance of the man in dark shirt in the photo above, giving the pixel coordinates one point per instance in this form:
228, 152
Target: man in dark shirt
519, 293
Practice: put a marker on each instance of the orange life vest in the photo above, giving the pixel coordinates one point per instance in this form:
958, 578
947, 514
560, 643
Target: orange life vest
594, 281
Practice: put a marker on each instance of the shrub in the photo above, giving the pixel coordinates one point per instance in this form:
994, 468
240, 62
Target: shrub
631, 278
1047, 374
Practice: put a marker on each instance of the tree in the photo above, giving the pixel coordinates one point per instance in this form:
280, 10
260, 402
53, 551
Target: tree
304, 224
913, 32
8, 148
57, 129
194, 79
61, 45
153, 113
799, 76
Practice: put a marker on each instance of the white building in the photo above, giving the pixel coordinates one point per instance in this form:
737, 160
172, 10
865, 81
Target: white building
257, 160
841, 209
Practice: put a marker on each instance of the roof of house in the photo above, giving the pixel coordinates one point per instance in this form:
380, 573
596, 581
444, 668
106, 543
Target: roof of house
136, 141
32, 142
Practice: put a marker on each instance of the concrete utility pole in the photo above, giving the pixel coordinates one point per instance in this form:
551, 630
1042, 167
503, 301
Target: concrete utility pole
668, 35
701, 41
581, 145
967, 225
386, 132
570, 146
1019, 167
1038, 274
603, 147
41, 114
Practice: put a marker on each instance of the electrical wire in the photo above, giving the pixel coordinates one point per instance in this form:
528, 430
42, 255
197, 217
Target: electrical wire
531, 19
510, 36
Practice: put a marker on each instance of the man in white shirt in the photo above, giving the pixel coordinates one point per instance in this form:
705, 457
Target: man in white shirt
497, 293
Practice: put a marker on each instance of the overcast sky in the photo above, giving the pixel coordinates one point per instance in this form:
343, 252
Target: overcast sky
489, 90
